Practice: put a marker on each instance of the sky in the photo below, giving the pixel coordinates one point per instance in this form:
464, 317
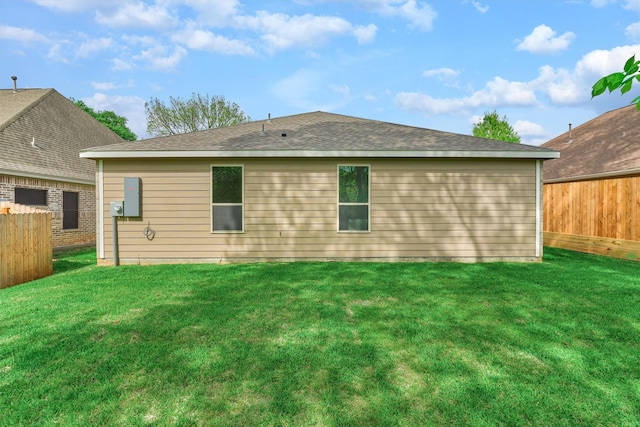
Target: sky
438, 64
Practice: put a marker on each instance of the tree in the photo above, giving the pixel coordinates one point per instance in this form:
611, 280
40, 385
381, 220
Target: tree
494, 127
116, 123
622, 80
199, 112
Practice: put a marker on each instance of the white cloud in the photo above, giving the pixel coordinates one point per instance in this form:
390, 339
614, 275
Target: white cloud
479, 7
496, 93
137, 15
23, 35
527, 128
219, 16
282, 31
632, 5
633, 32
121, 65
340, 89
627, 4
89, 47
561, 86
419, 14
78, 5
158, 57
105, 86
442, 74
131, 107
205, 40
365, 34
543, 40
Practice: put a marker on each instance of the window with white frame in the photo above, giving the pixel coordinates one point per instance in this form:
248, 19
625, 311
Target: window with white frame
353, 198
227, 196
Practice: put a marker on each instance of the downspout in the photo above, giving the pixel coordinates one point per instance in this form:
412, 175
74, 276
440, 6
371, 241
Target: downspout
100, 190
538, 208
114, 221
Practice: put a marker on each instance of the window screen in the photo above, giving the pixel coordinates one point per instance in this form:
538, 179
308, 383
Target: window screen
69, 210
353, 198
227, 198
30, 196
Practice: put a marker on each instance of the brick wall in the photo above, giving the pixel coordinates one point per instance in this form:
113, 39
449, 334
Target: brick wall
85, 233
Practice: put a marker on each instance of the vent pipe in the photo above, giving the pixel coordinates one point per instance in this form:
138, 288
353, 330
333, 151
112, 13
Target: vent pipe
570, 139
15, 83
263, 133
269, 118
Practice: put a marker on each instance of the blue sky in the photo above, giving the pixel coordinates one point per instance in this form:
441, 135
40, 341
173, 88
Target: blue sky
439, 64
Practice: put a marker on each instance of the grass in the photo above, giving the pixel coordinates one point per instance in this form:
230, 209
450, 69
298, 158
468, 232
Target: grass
336, 344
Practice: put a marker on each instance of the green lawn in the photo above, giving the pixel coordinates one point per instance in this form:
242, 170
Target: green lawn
556, 343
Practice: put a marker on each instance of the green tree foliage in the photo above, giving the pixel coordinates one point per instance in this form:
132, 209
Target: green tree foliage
620, 80
116, 123
199, 112
493, 127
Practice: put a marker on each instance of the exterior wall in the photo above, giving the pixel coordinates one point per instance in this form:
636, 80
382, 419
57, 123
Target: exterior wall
85, 233
419, 209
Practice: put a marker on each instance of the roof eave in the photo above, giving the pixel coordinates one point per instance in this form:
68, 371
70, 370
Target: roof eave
23, 174
543, 155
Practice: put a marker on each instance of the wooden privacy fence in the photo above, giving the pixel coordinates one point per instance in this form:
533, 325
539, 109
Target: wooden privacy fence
26, 249
598, 216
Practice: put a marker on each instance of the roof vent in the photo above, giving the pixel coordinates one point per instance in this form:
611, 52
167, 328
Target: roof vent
570, 139
284, 134
269, 118
15, 83
263, 133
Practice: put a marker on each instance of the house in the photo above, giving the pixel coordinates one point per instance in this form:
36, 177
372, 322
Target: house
318, 186
592, 192
41, 135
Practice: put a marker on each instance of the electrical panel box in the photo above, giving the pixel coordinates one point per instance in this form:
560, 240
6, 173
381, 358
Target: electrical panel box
116, 208
131, 196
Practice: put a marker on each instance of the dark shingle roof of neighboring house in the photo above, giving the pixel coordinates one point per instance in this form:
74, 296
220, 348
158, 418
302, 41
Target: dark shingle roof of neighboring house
608, 145
42, 133
318, 134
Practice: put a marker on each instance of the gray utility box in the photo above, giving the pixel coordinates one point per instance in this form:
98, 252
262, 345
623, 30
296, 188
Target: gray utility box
116, 208
131, 196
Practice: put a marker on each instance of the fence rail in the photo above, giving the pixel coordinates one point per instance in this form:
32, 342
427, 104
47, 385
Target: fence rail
26, 249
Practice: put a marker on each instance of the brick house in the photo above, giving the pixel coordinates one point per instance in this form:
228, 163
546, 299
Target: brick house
41, 135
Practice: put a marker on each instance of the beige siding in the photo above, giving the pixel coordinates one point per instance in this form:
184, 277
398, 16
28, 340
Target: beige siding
431, 208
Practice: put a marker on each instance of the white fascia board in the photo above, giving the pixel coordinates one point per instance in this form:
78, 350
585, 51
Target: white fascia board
46, 177
329, 154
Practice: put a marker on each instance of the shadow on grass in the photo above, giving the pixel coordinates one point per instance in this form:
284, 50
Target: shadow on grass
73, 259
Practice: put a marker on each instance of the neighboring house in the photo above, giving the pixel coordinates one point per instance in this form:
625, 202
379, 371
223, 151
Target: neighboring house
592, 192
320, 186
41, 135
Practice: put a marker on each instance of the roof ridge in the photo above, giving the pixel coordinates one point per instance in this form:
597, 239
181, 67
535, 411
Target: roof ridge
26, 109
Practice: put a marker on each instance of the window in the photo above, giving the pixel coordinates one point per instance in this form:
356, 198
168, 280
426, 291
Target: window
30, 196
69, 210
227, 199
353, 198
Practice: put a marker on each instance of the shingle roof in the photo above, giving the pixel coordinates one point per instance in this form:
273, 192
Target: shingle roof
606, 145
59, 130
316, 134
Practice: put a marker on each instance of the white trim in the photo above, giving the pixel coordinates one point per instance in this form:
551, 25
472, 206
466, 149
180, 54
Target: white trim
316, 153
538, 206
22, 174
100, 192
